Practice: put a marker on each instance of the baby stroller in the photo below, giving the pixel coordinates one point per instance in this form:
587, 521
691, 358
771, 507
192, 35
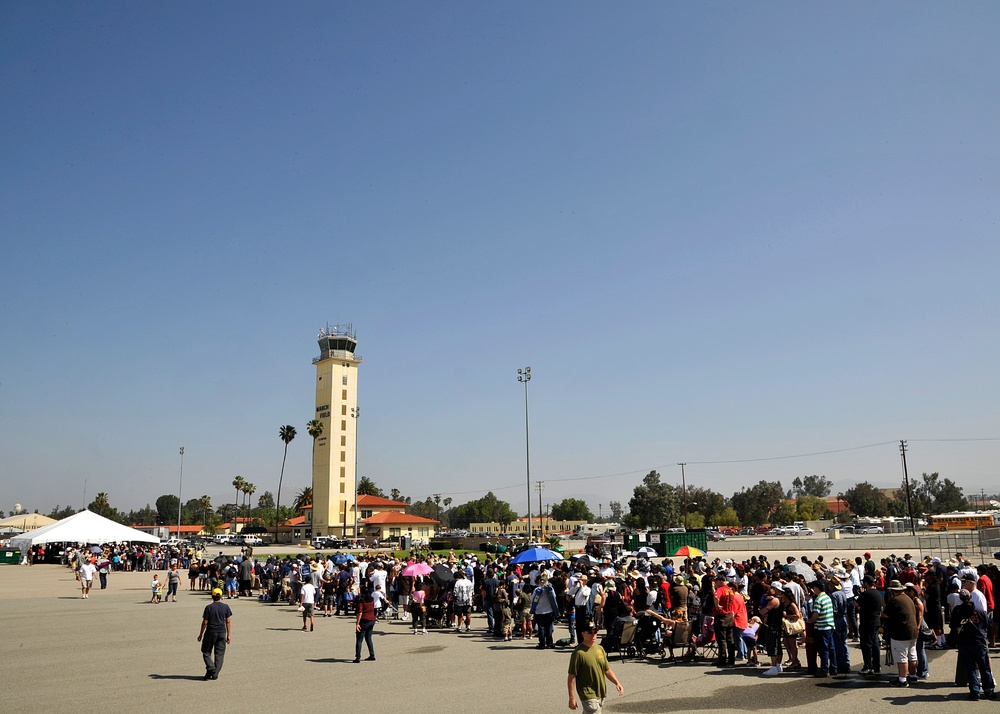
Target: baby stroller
436, 614
703, 644
649, 637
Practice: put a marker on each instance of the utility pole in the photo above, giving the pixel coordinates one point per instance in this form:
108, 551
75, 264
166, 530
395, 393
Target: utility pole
524, 376
180, 485
684, 490
541, 527
906, 482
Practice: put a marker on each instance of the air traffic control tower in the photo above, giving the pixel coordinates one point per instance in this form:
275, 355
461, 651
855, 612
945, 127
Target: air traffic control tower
334, 480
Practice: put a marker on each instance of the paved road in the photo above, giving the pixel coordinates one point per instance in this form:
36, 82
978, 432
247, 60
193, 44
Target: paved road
116, 652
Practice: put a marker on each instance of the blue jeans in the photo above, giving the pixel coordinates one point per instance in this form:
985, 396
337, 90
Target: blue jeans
976, 661
365, 633
827, 651
840, 642
923, 668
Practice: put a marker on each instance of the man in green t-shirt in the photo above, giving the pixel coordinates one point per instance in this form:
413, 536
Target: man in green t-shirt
588, 666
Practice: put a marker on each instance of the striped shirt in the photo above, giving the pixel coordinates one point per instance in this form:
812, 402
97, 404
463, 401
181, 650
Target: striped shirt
823, 607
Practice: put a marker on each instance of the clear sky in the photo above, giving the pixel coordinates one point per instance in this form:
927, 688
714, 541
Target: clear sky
715, 231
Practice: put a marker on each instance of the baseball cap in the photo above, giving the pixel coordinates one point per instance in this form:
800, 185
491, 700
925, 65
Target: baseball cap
216, 593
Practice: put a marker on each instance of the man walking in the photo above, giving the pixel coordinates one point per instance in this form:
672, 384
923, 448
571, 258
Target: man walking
588, 667
215, 634
87, 571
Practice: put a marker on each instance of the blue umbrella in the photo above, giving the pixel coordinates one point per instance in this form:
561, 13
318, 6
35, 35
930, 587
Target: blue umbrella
341, 558
535, 555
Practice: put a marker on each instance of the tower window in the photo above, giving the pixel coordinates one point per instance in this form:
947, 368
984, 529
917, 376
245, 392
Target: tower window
343, 424
345, 380
343, 409
343, 440
343, 488
343, 394
343, 456
343, 472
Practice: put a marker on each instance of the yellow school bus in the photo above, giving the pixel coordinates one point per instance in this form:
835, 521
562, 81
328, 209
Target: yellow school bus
962, 521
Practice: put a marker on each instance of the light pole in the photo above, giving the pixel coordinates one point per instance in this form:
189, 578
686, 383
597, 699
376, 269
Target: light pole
684, 490
180, 485
355, 412
524, 375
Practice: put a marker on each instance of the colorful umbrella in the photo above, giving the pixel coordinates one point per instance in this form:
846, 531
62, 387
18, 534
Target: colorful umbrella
689, 551
418, 569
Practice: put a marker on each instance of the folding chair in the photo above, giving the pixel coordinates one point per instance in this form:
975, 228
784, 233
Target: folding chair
681, 638
703, 646
626, 637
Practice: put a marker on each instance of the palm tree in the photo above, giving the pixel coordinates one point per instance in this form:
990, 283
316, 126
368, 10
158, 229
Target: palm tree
249, 490
305, 498
206, 506
315, 429
101, 503
286, 433
238, 485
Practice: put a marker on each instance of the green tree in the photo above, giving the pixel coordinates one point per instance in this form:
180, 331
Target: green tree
488, 509
655, 504
726, 517
286, 434
166, 509
709, 502
394, 494
60, 513
368, 487
784, 514
102, 506
266, 501
572, 509
616, 511
866, 500
940, 495
754, 505
811, 508
814, 485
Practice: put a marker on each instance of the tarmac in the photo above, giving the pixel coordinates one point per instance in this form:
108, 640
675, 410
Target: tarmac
117, 652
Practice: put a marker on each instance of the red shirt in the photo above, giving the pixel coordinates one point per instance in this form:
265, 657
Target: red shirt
725, 601
985, 585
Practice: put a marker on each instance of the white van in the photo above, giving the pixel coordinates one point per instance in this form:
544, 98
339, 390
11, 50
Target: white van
251, 540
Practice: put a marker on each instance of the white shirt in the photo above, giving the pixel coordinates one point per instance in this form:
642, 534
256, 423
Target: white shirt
87, 572
581, 593
308, 593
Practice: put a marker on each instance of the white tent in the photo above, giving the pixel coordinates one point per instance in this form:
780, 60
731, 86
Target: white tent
84, 527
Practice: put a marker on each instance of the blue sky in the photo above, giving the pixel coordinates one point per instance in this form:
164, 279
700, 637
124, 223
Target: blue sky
715, 231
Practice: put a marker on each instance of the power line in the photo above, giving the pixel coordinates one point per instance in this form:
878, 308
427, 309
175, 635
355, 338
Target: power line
731, 461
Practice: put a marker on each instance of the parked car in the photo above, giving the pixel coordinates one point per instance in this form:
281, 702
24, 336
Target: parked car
746, 532
868, 530
715, 535
762, 530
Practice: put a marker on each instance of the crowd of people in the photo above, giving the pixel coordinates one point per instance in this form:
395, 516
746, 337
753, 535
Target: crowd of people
799, 614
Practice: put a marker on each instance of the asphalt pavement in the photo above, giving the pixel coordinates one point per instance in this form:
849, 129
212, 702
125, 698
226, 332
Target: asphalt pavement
117, 652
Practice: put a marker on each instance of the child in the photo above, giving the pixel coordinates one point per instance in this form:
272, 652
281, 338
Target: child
156, 586
379, 599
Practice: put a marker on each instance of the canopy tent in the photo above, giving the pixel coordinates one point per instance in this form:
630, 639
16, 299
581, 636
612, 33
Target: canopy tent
84, 527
